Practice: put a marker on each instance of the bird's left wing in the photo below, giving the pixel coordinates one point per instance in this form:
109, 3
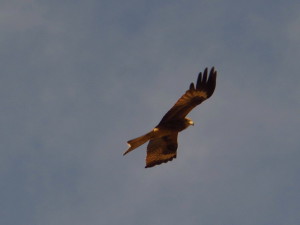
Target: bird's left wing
161, 150
205, 87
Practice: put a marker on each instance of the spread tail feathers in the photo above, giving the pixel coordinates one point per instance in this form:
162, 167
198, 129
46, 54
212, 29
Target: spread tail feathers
134, 143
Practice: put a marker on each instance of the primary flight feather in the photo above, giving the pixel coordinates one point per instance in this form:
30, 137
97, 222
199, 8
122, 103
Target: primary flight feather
162, 146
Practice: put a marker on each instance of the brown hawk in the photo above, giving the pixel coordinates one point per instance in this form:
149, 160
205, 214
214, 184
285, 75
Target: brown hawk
162, 139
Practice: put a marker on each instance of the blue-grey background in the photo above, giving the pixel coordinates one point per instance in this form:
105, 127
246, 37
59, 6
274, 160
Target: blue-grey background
80, 78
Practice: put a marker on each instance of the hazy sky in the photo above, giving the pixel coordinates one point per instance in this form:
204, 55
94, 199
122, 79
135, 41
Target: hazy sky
80, 78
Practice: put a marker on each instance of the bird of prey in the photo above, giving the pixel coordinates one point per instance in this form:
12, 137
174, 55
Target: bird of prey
162, 139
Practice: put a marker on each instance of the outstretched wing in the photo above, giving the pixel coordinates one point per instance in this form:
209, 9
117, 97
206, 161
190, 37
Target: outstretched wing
161, 150
205, 87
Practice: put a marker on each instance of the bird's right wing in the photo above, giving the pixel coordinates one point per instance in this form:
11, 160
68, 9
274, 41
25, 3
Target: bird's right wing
205, 87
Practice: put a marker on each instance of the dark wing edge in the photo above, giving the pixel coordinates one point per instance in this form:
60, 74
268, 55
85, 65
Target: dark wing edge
161, 150
204, 89
207, 85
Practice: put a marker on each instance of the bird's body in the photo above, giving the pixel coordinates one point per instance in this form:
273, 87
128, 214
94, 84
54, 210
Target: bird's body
162, 139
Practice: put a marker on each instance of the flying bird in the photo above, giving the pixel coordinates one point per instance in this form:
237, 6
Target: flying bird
162, 146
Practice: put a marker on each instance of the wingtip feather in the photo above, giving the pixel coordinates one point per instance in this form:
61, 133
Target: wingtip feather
192, 86
207, 82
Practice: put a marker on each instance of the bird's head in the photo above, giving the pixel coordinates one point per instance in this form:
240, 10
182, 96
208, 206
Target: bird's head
189, 121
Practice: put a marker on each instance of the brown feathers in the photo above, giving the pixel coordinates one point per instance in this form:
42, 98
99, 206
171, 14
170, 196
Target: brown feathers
162, 146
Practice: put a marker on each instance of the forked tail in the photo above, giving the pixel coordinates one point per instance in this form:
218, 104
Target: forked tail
134, 143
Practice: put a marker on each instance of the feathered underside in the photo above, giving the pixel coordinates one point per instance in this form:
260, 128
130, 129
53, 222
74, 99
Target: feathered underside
161, 150
194, 96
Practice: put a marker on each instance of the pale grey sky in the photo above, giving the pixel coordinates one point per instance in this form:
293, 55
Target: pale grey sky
80, 78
